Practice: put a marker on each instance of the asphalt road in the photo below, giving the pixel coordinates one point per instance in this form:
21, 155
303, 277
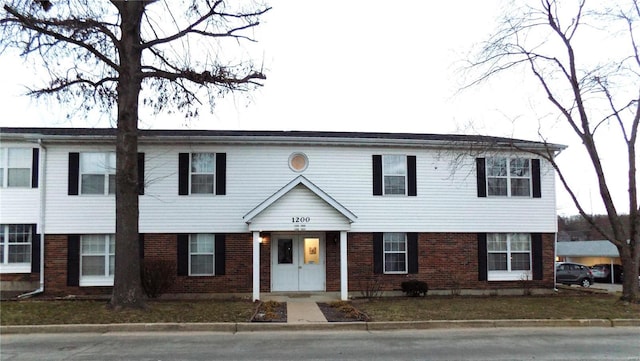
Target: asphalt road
587, 343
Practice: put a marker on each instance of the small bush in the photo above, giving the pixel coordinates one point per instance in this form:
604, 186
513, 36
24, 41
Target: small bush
157, 276
414, 288
371, 287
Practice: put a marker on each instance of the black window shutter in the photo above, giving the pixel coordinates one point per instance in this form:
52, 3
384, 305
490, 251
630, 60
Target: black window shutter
219, 254
377, 253
535, 178
221, 173
141, 245
536, 250
481, 177
141, 174
73, 260
482, 256
35, 161
74, 173
377, 175
183, 255
35, 250
183, 174
412, 255
411, 176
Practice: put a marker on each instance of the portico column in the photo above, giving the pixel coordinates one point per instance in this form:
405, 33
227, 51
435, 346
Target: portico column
256, 266
344, 277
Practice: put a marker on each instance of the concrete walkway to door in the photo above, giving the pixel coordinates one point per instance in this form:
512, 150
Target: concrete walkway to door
302, 307
304, 312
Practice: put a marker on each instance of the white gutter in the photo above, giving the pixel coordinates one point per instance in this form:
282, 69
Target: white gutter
555, 256
41, 184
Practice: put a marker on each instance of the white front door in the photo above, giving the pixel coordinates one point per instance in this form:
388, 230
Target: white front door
297, 262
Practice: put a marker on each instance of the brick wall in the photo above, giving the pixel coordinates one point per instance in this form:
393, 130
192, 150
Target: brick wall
446, 261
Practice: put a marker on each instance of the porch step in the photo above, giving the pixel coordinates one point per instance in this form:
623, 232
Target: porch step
304, 312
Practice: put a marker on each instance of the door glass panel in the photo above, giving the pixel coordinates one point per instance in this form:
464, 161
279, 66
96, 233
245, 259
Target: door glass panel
311, 251
285, 251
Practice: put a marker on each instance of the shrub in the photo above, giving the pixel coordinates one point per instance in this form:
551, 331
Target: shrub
157, 276
371, 287
414, 288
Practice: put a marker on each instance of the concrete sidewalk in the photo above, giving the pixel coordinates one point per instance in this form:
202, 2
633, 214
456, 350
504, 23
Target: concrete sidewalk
235, 327
304, 312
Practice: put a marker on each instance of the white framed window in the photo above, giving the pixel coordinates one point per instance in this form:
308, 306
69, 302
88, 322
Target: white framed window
394, 174
395, 252
15, 248
98, 173
97, 259
201, 254
202, 173
509, 256
508, 177
15, 167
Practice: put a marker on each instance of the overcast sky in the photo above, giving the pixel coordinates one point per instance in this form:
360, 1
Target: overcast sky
361, 65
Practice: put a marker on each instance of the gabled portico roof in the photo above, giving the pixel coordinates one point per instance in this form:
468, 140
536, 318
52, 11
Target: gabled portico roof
290, 186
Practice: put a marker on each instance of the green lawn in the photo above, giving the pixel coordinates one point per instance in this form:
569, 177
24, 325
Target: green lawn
36, 311
504, 307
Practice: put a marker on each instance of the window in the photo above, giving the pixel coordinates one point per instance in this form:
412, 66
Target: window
509, 177
15, 247
202, 173
201, 254
509, 255
395, 253
394, 170
97, 173
97, 259
15, 167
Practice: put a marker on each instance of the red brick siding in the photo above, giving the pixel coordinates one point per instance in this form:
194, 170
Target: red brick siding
446, 261
20, 277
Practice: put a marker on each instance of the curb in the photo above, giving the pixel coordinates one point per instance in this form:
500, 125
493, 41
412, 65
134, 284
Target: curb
230, 327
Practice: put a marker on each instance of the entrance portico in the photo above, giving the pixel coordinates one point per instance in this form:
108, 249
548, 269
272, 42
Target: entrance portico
297, 218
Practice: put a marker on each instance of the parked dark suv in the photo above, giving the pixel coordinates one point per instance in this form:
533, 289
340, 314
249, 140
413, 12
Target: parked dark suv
569, 273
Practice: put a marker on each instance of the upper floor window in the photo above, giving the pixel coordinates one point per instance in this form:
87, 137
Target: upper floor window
508, 252
508, 177
394, 175
98, 173
202, 173
97, 259
15, 167
395, 252
15, 245
394, 170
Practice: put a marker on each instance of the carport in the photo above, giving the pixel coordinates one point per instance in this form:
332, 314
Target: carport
588, 253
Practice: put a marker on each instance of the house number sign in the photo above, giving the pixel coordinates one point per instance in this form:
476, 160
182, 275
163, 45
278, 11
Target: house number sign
300, 219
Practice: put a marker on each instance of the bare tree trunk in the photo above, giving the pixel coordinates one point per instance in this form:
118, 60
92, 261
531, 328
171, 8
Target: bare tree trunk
630, 264
127, 290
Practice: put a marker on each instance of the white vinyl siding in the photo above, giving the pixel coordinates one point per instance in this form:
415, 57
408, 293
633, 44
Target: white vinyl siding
98, 173
97, 259
395, 253
15, 248
201, 254
509, 256
447, 201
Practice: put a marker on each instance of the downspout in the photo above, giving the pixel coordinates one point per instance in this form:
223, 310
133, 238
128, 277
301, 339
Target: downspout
42, 181
555, 257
